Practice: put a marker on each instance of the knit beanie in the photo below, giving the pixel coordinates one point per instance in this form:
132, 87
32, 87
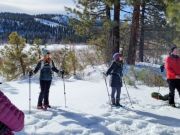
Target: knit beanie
116, 56
45, 51
173, 47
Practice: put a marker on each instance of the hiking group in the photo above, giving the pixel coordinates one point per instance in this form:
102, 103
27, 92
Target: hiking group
12, 119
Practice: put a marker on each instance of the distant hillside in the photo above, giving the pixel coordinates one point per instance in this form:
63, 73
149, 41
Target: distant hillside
51, 28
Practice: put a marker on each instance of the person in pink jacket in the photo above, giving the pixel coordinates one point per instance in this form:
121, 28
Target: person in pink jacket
11, 118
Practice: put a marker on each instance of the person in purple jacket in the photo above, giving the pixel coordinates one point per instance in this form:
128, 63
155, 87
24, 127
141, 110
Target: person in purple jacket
115, 71
11, 118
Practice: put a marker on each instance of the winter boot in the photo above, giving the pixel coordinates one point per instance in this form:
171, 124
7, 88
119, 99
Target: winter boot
113, 101
40, 107
47, 106
173, 105
117, 103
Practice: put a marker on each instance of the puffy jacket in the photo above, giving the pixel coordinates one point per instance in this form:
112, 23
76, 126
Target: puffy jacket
172, 66
115, 70
10, 115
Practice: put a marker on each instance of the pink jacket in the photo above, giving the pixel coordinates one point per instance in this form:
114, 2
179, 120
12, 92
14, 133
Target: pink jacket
10, 115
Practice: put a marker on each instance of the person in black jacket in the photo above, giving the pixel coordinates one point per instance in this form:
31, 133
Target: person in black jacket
46, 67
115, 70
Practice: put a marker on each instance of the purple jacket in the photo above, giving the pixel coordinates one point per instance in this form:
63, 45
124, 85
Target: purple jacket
10, 115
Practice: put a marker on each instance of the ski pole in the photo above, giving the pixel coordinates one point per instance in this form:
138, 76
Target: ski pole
64, 90
107, 89
159, 91
29, 94
127, 93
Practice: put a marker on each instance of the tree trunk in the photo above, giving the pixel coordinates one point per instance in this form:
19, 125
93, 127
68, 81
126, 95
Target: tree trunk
141, 42
134, 35
21, 60
116, 33
22, 66
108, 47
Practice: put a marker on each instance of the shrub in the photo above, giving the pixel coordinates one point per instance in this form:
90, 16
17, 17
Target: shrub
130, 78
150, 78
146, 76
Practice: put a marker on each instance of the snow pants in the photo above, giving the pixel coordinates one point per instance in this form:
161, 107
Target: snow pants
117, 91
173, 84
44, 93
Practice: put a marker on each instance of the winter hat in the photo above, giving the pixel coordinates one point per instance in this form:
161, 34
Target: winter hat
173, 47
116, 56
45, 51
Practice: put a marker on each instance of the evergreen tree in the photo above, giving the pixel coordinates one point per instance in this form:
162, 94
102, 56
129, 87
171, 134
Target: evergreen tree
15, 60
134, 32
173, 15
173, 12
37, 42
95, 21
32, 26
141, 42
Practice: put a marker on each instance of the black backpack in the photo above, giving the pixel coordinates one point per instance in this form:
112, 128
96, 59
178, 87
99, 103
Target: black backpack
157, 95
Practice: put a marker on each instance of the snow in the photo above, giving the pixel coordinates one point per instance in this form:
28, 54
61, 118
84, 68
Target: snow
61, 19
88, 112
54, 47
46, 22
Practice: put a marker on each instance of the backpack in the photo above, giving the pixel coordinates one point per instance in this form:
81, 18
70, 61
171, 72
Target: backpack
157, 95
42, 64
46, 72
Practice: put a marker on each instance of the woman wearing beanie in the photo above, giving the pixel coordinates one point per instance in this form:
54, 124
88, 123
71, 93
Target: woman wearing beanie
46, 67
115, 70
172, 66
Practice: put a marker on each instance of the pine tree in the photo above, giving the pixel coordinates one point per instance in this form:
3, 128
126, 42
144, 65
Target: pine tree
173, 12
94, 21
37, 42
134, 33
173, 15
15, 60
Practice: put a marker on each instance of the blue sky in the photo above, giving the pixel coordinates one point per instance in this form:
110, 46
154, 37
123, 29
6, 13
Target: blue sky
35, 6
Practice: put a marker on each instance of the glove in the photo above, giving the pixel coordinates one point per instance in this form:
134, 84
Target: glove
61, 72
162, 68
177, 76
104, 74
30, 73
4, 130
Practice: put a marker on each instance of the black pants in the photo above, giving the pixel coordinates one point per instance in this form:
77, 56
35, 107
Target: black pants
44, 94
173, 84
116, 90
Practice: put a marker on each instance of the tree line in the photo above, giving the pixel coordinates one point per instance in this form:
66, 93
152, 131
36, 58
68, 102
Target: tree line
147, 25
30, 28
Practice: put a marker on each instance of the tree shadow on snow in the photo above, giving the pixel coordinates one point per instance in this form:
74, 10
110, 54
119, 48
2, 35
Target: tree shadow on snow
86, 121
158, 119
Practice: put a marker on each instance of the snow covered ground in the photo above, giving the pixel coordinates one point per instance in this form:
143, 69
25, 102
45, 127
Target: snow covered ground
87, 111
53, 47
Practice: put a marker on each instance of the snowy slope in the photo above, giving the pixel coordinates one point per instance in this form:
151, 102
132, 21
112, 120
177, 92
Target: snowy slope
46, 22
87, 111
